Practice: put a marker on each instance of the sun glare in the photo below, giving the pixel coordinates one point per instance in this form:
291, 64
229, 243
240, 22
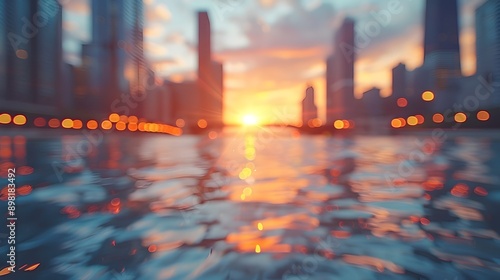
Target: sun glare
250, 120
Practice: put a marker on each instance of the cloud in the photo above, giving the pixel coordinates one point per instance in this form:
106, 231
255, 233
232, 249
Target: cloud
157, 13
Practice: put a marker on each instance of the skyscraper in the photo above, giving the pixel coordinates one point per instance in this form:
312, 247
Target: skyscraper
309, 109
340, 75
441, 41
488, 40
209, 75
116, 65
31, 52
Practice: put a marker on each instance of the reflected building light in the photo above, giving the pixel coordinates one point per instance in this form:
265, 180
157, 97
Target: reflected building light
5, 147
92, 124
260, 226
483, 116
460, 117
5, 119
19, 120
438, 118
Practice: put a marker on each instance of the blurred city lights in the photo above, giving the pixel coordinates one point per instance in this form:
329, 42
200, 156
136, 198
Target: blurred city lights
54, 123
92, 124
428, 96
106, 125
412, 120
67, 123
402, 102
5, 119
114, 117
460, 117
483, 116
202, 123
19, 120
438, 118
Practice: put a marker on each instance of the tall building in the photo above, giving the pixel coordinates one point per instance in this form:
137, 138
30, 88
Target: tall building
488, 40
441, 41
340, 75
373, 103
309, 109
209, 75
31, 53
116, 57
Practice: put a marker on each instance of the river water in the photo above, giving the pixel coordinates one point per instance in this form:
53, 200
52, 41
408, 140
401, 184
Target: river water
254, 204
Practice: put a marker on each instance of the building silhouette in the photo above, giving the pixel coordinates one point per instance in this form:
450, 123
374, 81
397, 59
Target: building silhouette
488, 44
309, 109
114, 59
31, 55
340, 75
209, 75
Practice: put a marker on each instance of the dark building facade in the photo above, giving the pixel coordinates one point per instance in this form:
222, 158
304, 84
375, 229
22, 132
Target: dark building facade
340, 75
309, 109
31, 53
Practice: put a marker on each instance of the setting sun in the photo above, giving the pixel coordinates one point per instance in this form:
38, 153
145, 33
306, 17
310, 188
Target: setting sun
250, 120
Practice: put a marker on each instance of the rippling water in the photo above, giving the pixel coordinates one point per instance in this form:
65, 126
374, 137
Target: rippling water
255, 204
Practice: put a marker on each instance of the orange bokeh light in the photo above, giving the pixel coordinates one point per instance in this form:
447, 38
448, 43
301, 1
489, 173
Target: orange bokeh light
19, 120
114, 117
54, 123
92, 124
438, 118
106, 125
460, 117
483, 116
202, 123
402, 102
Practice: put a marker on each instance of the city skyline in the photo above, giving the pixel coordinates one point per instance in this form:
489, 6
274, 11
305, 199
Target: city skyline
239, 37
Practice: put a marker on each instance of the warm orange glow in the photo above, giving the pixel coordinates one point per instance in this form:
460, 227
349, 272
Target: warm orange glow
480, 191
260, 226
133, 119
39, 122
250, 120
403, 122
180, 123
114, 117
338, 124
54, 123
402, 102
316, 122
5, 119
438, 118
132, 126
483, 116
124, 118
67, 123
77, 124
202, 123
152, 248
141, 126
420, 119
428, 96
212, 135
19, 120
396, 123
106, 125
21, 54
92, 124
257, 249
120, 126
347, 124
412, 120
460, 117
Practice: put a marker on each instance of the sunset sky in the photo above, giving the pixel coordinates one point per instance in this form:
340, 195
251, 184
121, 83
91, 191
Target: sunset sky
272, 48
